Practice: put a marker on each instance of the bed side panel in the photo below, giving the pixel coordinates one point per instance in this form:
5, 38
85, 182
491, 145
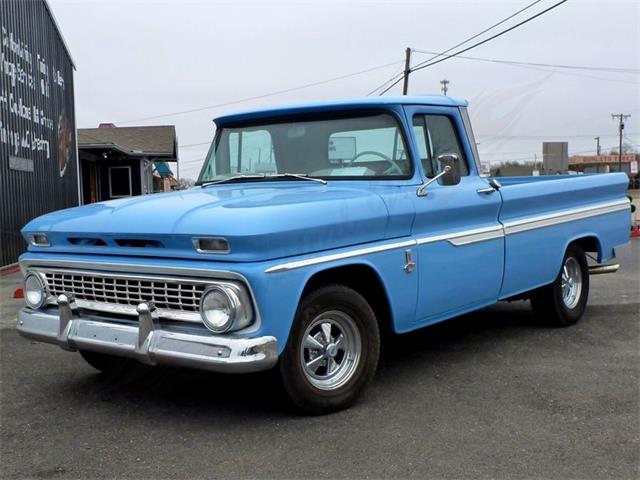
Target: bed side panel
534, 251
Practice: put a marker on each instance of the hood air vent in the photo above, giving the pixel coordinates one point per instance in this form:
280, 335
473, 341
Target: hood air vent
95, 242
138, 243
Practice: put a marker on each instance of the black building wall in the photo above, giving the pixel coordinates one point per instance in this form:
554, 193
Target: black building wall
38, 155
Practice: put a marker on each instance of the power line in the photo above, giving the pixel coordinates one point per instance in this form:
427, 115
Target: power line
428, 63
573, 74
630, 141
195, 144
534, 64
436, 55
399, 74
520, 137
533, 155
518, 152
402, 72
258, 97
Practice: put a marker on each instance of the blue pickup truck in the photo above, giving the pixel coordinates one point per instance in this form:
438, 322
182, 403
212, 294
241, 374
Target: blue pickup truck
313, 229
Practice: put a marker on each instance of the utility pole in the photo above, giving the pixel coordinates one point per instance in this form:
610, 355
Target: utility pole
407, 70
597, 139
621, 117
444, 84
177, 164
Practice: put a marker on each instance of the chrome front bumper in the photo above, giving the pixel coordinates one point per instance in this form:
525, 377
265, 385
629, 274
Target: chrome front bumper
147, 342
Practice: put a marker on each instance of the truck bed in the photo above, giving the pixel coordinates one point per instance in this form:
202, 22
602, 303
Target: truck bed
553, 211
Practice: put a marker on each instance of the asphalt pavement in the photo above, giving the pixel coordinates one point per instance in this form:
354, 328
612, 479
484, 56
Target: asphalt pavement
487, 395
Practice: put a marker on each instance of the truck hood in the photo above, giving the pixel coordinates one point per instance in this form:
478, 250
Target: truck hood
260, 222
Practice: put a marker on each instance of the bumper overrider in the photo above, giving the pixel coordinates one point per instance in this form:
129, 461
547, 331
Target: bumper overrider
147, 341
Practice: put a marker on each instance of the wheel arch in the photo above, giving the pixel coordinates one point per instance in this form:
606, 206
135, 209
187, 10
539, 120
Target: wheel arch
364, 279
588, 242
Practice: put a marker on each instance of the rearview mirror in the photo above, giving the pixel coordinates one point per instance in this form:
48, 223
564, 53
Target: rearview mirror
452, 175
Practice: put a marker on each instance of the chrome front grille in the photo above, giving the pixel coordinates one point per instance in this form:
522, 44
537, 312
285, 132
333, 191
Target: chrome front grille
174, 298
124, 291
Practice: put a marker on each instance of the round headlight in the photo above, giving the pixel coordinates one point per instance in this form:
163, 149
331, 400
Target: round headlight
35, 292
218, 309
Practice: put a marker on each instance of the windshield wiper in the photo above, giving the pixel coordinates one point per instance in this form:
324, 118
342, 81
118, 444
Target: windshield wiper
234, 178
262, 176
301, 176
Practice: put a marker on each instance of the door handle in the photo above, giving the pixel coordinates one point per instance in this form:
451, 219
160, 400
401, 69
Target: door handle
494, 185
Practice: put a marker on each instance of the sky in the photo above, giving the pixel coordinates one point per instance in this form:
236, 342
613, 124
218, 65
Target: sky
136, 60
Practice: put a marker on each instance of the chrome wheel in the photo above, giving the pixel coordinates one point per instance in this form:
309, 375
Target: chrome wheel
571, 282
331, 350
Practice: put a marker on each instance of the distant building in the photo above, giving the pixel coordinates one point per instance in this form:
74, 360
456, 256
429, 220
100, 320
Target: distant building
118, 162
38, 156
603, 163
555, 157
608, 163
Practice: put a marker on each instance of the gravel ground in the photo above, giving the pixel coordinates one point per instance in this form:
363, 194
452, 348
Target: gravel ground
487, 395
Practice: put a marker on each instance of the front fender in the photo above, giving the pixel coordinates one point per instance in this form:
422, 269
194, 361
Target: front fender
278, 292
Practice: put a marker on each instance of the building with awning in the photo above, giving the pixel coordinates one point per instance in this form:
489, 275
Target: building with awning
627, 162
118, 162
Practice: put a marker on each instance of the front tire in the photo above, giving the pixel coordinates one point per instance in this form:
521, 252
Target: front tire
563, 302
332, 351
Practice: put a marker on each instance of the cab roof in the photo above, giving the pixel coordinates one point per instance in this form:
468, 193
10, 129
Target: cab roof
347, 104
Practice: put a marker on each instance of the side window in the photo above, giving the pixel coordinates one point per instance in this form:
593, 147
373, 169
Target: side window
441, 138
251, 151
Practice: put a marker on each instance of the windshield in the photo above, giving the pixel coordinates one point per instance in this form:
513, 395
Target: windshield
362, 147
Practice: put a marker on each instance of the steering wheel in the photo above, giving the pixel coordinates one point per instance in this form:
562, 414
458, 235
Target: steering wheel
394, 165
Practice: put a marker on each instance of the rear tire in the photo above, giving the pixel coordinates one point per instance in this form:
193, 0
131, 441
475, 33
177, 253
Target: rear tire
332, 351
563, 302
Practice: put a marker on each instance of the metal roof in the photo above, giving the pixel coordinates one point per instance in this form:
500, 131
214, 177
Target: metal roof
59, 32
156, 141
357, 103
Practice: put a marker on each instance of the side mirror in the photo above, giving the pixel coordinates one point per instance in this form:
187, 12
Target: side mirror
452, 175
449, 173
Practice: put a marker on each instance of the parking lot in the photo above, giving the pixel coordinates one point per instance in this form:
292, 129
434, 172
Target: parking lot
491, 394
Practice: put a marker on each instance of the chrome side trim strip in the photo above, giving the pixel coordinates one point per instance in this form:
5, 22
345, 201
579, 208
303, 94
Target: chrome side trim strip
465, 237
541, 221
339, 256
478, 237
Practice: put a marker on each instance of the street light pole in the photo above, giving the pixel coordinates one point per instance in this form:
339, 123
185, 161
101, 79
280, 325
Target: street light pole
444, 84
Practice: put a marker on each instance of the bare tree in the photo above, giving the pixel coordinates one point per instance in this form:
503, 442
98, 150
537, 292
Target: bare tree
185, 183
